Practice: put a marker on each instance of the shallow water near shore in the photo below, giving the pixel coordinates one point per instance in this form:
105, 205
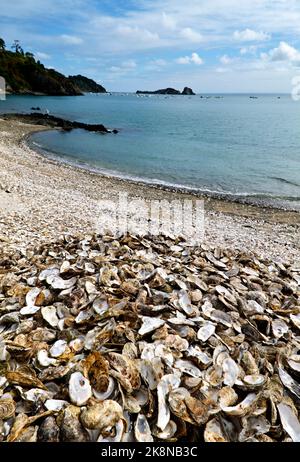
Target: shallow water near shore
232, 146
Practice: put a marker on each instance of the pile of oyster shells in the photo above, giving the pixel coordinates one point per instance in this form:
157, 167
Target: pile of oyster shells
147, 339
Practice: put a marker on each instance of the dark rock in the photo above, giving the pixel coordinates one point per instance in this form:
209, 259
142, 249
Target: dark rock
188, 91
56, 122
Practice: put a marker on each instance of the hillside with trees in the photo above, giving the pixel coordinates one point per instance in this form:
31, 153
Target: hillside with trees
26, 75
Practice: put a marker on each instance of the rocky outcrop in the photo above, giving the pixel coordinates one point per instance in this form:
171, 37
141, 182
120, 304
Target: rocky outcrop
167, 91
56, 122
188, 91
86, 85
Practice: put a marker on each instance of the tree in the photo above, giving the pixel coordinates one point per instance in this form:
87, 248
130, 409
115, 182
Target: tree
17, 47
2, 44
29, 55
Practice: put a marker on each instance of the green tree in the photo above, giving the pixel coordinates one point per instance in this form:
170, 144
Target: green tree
29, 56
17, 47
2, 44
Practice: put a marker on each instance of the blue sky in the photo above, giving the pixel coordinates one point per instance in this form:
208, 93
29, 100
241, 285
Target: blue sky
210, 45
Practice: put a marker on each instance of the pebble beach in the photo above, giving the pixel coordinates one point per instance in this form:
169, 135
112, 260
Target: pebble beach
40, 199
141, 339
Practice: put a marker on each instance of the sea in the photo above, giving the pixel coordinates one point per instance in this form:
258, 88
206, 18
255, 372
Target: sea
240, 147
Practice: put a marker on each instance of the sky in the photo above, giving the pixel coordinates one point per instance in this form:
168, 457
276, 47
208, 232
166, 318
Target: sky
210, 45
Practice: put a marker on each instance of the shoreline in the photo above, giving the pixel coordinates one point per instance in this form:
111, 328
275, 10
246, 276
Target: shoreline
70, 190
265, 201
160, 184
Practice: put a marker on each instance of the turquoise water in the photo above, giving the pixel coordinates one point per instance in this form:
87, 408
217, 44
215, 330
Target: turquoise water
245, 148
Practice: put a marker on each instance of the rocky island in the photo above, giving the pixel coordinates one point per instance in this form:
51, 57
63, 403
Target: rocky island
167, 91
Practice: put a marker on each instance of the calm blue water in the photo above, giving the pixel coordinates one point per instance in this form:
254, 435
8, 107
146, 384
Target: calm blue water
234, 145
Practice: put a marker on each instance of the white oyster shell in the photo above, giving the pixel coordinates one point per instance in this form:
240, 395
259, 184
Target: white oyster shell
150, 324
44, 359
289, 421
80, 389
142, 430
206, 331
58, 348
49, 314
55, 404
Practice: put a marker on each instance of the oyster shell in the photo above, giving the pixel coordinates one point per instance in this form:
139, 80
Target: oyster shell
150, 338
142, 430
58, 348
70, 426
96, 368
279, 328
214, 433
168, 433
44, 359
243, 408
289, 421
80, 390
150, 324
7, 408
102, 415
50, 316
166, 385
206, 331
55, 404
48, 431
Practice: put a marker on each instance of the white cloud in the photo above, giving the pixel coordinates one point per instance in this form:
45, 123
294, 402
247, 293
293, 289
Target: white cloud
222, 70
249, 35
124, 67
193, 59
248, 50
137, 34
168, 21
226, 60
41, 55
130, 64
159, 62
284, 52
191, 35
71, 39
115, 69
183, 60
